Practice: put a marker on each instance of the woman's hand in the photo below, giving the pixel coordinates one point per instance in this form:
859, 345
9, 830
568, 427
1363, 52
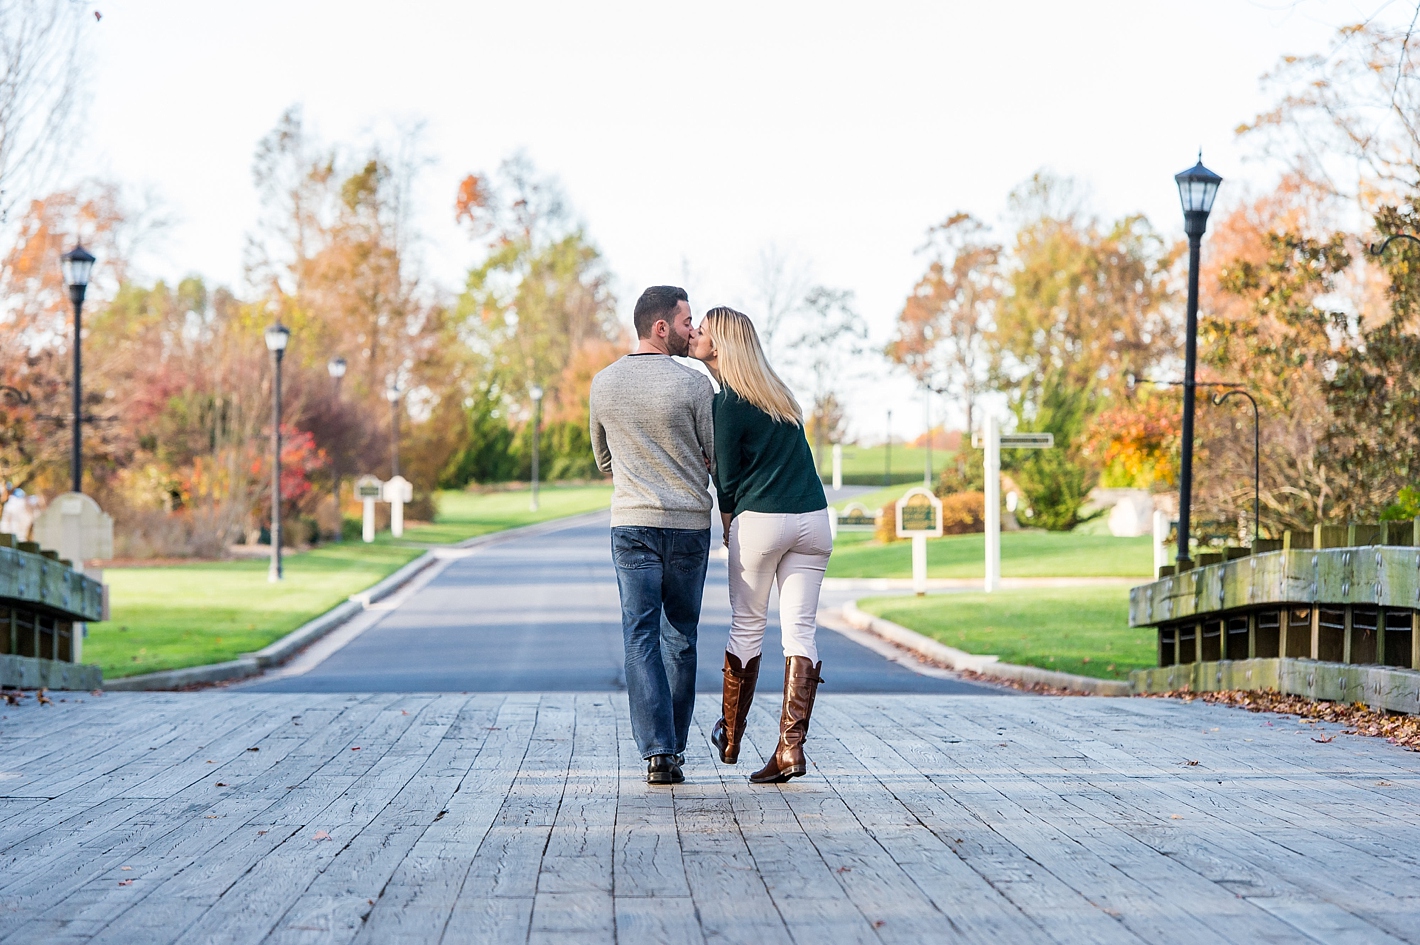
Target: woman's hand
726, 518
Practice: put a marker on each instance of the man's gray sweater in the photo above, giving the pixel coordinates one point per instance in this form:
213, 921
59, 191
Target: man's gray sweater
653, 429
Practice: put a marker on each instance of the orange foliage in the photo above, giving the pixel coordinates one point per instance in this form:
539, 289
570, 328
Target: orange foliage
1135, 442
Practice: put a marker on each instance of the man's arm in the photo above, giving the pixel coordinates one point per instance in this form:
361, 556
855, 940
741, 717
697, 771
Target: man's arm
704, 407
599, 448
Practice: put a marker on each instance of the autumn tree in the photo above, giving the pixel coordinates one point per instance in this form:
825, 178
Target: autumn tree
1087, 306
942, 330
41, 70
824, 343
536, 310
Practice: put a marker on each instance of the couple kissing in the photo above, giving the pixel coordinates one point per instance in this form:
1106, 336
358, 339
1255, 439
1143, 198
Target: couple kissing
662, 432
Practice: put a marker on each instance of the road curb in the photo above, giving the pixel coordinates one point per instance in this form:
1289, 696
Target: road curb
279, 651
988, 666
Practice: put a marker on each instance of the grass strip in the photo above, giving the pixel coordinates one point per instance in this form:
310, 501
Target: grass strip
1023, 554
1082, 630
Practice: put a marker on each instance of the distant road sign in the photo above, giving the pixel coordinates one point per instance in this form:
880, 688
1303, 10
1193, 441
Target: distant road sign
1019, 441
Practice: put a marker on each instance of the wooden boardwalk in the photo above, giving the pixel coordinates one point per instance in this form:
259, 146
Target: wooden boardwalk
227, 817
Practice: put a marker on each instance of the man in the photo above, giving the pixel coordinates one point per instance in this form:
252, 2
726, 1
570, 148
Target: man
652, 430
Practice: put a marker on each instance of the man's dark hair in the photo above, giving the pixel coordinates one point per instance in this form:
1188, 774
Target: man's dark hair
656, 303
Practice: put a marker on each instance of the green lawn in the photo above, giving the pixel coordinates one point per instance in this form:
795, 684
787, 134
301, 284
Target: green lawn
188, 615
1023, 554
1082, 630
871, 461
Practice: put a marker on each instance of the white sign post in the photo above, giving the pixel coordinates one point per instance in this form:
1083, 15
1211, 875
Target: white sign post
368, 490
837, 466
993, 442
398, 491
919, 517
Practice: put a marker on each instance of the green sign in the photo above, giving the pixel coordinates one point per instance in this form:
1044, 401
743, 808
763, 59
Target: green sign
919, 514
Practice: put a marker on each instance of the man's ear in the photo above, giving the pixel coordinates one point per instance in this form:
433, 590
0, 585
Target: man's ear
661, 328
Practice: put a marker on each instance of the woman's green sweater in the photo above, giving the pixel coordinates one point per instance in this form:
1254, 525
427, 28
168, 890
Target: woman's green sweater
762, 465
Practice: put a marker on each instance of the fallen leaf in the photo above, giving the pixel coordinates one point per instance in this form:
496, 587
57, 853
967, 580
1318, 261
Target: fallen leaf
845, 869
211, 762
879, 923
1212, 730
253, 749
1384, 784
321, 835
370, 901
403, 711
1324, 739
356, 748
1189, 764
1175, 817
125, 882
210, 817
125, 868
222, 784
261, 833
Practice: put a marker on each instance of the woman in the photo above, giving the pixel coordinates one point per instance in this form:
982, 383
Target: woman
776, 526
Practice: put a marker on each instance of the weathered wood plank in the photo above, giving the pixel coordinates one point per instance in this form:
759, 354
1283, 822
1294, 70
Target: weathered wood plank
419, 902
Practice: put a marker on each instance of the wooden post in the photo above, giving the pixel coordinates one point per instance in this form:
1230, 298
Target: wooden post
1346, 634
1382, 628
1252, 635
1316, 629
1415, 630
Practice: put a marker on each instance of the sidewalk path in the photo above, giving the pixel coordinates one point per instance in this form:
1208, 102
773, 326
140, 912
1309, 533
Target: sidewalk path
238, 817
540, 613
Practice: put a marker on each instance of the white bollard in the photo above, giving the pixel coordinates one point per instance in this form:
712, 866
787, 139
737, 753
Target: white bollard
397, 516
919, 564
837, 466
368, 531
993, 505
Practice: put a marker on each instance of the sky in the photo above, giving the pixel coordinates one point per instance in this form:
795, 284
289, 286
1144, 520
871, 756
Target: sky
691, 137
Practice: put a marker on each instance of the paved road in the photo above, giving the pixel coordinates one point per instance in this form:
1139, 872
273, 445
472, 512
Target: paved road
541, 614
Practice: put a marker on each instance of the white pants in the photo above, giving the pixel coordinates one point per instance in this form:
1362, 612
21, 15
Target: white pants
790, 547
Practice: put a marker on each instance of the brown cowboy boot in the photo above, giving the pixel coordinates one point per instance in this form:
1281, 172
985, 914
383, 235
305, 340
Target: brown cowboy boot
801, 680
738, 694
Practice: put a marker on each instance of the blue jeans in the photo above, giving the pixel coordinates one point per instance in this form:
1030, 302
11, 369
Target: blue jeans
660, 571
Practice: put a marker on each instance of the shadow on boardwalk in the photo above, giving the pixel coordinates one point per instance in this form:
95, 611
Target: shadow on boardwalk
237, 817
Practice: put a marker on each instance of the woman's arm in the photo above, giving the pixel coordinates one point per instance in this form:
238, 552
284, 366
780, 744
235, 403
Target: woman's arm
728, 433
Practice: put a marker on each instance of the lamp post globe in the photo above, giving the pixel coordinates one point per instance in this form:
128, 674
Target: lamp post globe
1197, 187
276, 337
336, 367
78, 265
536, 393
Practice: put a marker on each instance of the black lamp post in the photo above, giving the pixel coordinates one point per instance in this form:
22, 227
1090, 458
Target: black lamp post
536, 393
392, 393
277, 337
336, 367
78, 264
1197, 187
1256, 453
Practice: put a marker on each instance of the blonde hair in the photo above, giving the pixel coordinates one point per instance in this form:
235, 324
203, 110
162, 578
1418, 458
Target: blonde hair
744, 368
